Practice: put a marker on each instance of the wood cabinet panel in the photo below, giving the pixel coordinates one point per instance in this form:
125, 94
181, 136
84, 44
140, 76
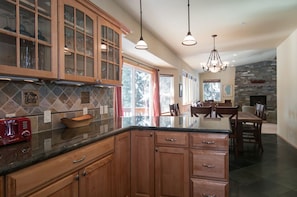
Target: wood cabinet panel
1, 186
209, 141
66, 187
97, 178
49, 171
204, 188
176, 139
211, 164
142, 166
172, 171
122, 164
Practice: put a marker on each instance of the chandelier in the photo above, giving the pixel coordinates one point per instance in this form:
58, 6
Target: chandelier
141, 44
214, 63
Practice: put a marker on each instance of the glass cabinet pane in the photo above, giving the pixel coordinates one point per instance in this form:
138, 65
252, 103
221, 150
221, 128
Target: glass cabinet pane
27, 52
104, 70
27, 23
69, 38
44, 57
117, 72
7, 50
80, 41
89, 46
28, 3
116, 56
44, 29
80, 20
80, 61
109, 34
7, 19
116, 39
69, 15
90, 67
89, 26
44, 7
110, 72
69, 63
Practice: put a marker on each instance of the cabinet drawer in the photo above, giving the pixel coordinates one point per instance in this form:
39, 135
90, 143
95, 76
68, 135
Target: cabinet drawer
209, 141
211, 164
172, 139
50, 170
205, 188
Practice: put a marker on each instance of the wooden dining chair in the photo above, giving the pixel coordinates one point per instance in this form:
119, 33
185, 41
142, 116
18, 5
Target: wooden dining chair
232, 114
253, 134
196, 111
174, 109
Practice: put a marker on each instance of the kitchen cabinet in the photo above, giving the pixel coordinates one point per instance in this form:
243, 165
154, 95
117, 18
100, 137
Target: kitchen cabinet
171, 164
122, 164
111, 62
209, 164
66, 174
142, 163
27, 45
1, 186
77, 42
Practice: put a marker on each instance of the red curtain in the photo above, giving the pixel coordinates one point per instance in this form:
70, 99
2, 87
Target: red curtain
118, 108
156, 94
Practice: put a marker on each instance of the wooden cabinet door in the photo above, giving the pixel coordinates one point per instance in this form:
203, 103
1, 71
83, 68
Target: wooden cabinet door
1, 186
142, 164
122, 164
97, 178
172, 171
77, 42
65, 187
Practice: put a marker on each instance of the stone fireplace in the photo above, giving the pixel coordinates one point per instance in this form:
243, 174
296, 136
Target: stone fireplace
256, 83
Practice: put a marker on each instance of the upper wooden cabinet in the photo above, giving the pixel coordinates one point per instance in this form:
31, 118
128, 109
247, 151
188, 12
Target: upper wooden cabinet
77, 42
27, 45
110, 47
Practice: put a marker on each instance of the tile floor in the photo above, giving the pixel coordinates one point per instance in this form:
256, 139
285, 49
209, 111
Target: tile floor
272, 173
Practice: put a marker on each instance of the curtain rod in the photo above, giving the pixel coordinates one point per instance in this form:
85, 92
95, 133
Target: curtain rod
140, 63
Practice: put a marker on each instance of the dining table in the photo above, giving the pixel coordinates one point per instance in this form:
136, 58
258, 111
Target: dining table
245, 117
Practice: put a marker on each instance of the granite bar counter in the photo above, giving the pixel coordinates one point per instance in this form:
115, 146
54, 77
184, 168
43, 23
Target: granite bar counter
52, 143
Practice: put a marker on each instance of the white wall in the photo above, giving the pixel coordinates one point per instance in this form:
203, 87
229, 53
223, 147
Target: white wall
287, 89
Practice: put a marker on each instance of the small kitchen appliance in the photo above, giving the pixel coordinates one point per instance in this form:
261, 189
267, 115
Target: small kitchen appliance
13, 130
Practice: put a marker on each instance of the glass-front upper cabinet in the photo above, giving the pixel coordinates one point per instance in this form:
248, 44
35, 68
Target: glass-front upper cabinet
110, 72
27, 45
77, 42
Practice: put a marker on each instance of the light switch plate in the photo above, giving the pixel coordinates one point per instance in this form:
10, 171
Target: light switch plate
47, 116
101, 110
85, 110
105, 109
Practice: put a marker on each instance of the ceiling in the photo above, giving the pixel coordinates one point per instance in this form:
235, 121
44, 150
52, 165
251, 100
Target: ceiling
248, 31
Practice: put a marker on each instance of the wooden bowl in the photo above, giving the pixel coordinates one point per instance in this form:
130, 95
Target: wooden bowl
80, 121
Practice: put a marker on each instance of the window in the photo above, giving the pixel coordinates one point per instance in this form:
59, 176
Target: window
136, 91
212, 90
190, 88
166, 84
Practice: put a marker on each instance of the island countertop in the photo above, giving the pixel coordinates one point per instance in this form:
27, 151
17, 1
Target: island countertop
52, 143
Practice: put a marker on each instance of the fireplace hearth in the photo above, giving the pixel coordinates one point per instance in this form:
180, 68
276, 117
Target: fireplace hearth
257, 99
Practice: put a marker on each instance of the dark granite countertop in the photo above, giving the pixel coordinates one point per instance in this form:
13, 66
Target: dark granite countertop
52, 143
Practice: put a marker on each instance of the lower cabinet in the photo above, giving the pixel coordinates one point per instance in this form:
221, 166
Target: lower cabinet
142, 163
122, 164
1, 186
87, 171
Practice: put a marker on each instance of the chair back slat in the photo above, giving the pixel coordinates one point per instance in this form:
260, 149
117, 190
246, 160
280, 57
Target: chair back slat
196, 111
174, 109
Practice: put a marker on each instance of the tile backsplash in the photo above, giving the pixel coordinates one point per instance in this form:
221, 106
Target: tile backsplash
31, 100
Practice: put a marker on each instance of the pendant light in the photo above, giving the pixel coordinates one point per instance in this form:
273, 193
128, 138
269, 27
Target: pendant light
214, 63
189, 40
141, 44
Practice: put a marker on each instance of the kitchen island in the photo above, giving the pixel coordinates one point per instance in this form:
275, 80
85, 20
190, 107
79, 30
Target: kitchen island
184, 139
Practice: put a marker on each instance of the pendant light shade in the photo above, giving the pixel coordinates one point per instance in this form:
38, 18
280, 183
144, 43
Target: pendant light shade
189, 40
141, 44
214, 63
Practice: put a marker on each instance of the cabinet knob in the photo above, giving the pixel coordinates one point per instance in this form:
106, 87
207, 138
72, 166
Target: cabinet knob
208, 165
156, 149
84, 173
77, 177
170, 139
151, 134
